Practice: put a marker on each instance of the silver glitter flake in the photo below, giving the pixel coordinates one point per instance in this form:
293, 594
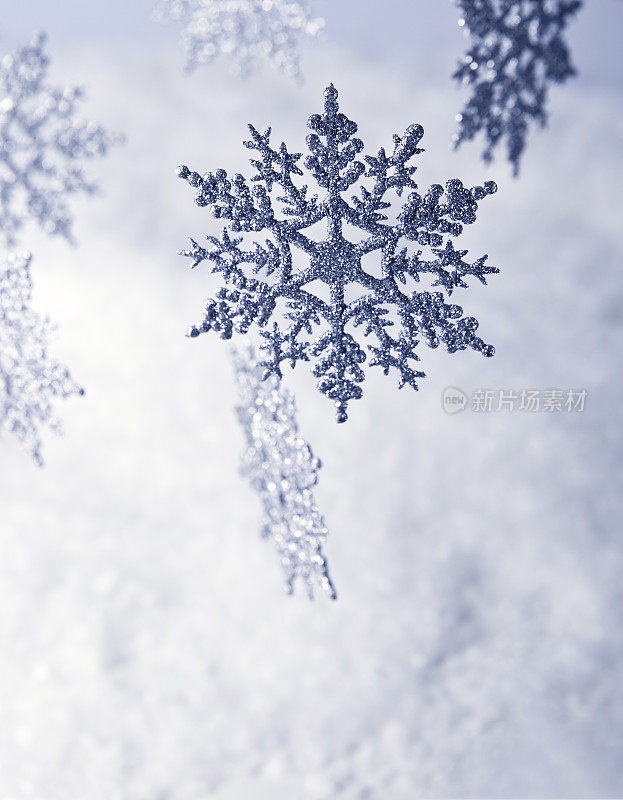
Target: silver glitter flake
247, 32
517, 50
283, 470
42, 145
29, 379
324, 283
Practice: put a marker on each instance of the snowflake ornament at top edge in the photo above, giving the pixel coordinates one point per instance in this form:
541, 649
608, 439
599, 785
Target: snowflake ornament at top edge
267, 286
247, 32
517, 50
283, 470
29, 379
42, 145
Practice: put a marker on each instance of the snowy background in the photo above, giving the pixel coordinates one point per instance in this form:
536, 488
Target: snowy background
476, 649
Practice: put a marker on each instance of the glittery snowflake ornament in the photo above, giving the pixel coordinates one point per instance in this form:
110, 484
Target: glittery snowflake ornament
247, 32
43, 145
517, 50
315, 296
29, 378
283, 470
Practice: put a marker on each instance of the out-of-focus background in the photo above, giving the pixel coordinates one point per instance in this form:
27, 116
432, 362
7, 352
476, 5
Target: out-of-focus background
146, 649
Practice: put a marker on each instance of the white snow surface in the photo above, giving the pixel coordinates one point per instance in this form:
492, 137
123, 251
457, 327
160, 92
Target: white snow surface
476, 648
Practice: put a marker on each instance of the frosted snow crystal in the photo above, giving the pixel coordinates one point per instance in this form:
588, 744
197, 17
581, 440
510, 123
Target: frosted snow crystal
29, 378
354, 295
283, 470
246, 31
42, 145
517, 50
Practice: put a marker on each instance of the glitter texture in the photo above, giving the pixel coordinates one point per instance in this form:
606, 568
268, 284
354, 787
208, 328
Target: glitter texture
283, 470
247, 32
42, 145
517, 50
348, 293
29, 378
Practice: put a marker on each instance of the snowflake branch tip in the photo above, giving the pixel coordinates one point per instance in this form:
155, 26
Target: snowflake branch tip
317, 297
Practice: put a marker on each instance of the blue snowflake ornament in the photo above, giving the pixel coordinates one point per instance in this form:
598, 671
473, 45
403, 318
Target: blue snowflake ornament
43, 144
247, 32
314, 296
517, 50
30, 380
282, 469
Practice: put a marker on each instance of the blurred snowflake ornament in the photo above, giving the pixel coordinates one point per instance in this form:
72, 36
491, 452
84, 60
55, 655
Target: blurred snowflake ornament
283, 470
327, 285
246, 31
517, 50
29, 379
42, 145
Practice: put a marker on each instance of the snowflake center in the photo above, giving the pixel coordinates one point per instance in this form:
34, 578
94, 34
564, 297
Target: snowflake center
336, 260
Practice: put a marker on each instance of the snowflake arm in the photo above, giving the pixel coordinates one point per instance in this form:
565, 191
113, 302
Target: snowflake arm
29, 378
42, 145
273, 282
517, 50
281, 467
247, 32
